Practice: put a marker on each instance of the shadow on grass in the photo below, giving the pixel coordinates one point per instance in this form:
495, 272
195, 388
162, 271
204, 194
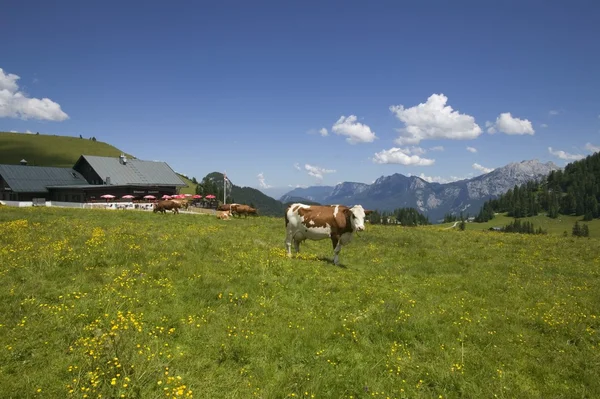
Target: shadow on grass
330, 261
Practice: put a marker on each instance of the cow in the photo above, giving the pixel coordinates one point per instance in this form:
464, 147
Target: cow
167, 205
225, 207
243, 210
318, 222
223, 215
184, 204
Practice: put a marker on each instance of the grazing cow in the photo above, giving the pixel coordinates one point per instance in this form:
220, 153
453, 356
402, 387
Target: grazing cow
225, 207
223, 215
317, 222
167, 205
244, 210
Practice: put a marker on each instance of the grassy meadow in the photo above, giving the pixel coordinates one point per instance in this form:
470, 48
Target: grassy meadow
112, 304
556, 226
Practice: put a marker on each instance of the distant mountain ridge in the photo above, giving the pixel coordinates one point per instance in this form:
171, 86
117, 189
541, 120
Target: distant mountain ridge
432, 199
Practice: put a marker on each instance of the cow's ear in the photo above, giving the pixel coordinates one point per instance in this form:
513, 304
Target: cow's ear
343, 217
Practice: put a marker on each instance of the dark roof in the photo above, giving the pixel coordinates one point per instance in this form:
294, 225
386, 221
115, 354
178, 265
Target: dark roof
134, 171
35, 179
90, 186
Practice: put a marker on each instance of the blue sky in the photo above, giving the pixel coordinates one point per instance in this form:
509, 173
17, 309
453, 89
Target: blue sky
441, 89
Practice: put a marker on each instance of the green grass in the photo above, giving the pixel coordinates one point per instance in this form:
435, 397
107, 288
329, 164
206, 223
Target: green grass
149, 306
190, 189
553, 226
50, 150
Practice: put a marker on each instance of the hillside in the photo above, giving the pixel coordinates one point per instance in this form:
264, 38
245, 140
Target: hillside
572, 191
50, 150
191, 188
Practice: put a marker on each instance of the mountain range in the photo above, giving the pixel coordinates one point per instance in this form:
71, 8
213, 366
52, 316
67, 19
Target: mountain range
432, 199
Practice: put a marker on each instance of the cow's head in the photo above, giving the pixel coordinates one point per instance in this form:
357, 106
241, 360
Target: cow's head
357, 217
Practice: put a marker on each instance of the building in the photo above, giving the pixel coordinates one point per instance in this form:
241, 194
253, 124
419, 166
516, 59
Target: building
89, 179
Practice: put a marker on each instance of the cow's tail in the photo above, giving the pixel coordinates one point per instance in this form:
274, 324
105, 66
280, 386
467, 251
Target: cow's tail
286, 217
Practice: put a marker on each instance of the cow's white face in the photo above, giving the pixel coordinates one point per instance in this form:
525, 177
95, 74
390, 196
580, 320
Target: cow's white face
357, 218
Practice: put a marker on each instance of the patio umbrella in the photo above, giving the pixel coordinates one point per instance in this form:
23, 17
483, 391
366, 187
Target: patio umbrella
210, 196
107, 196
197, 196
166, 196
187, 195
128, 196
149, 197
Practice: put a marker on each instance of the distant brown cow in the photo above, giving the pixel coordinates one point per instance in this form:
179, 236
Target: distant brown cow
225, 207
167, 205
244, 210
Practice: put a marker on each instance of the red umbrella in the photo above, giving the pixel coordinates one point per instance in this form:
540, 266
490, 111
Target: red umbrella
210, 196
166, 196
187, 195
149, 197
107, 196
128, 196
197, 196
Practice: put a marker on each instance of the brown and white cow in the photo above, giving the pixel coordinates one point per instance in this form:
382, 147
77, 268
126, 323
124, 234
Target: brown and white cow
318, 222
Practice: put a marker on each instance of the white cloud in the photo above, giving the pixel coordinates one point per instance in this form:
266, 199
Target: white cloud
437, 148
297, 166
591, 147
472, 149
323, 131
544, 125
434, 120
553, 112
482, 168
356, 132
565, 155
401, 156
505, 123
16, 104
317, 171
13, 131
261, 181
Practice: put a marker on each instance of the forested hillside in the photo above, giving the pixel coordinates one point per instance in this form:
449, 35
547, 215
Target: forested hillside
572, 191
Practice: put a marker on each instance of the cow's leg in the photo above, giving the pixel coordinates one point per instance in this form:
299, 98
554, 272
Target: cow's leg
297, 246
288, 243
337, 247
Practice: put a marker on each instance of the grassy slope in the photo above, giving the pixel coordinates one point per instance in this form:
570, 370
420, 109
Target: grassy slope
553, 226
49, 150
190, 189
135, 303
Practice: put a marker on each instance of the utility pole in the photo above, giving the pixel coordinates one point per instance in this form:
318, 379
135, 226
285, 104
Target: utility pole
225, 187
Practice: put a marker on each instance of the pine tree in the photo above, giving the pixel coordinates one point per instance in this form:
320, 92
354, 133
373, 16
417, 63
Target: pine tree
576, 230
585, 231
